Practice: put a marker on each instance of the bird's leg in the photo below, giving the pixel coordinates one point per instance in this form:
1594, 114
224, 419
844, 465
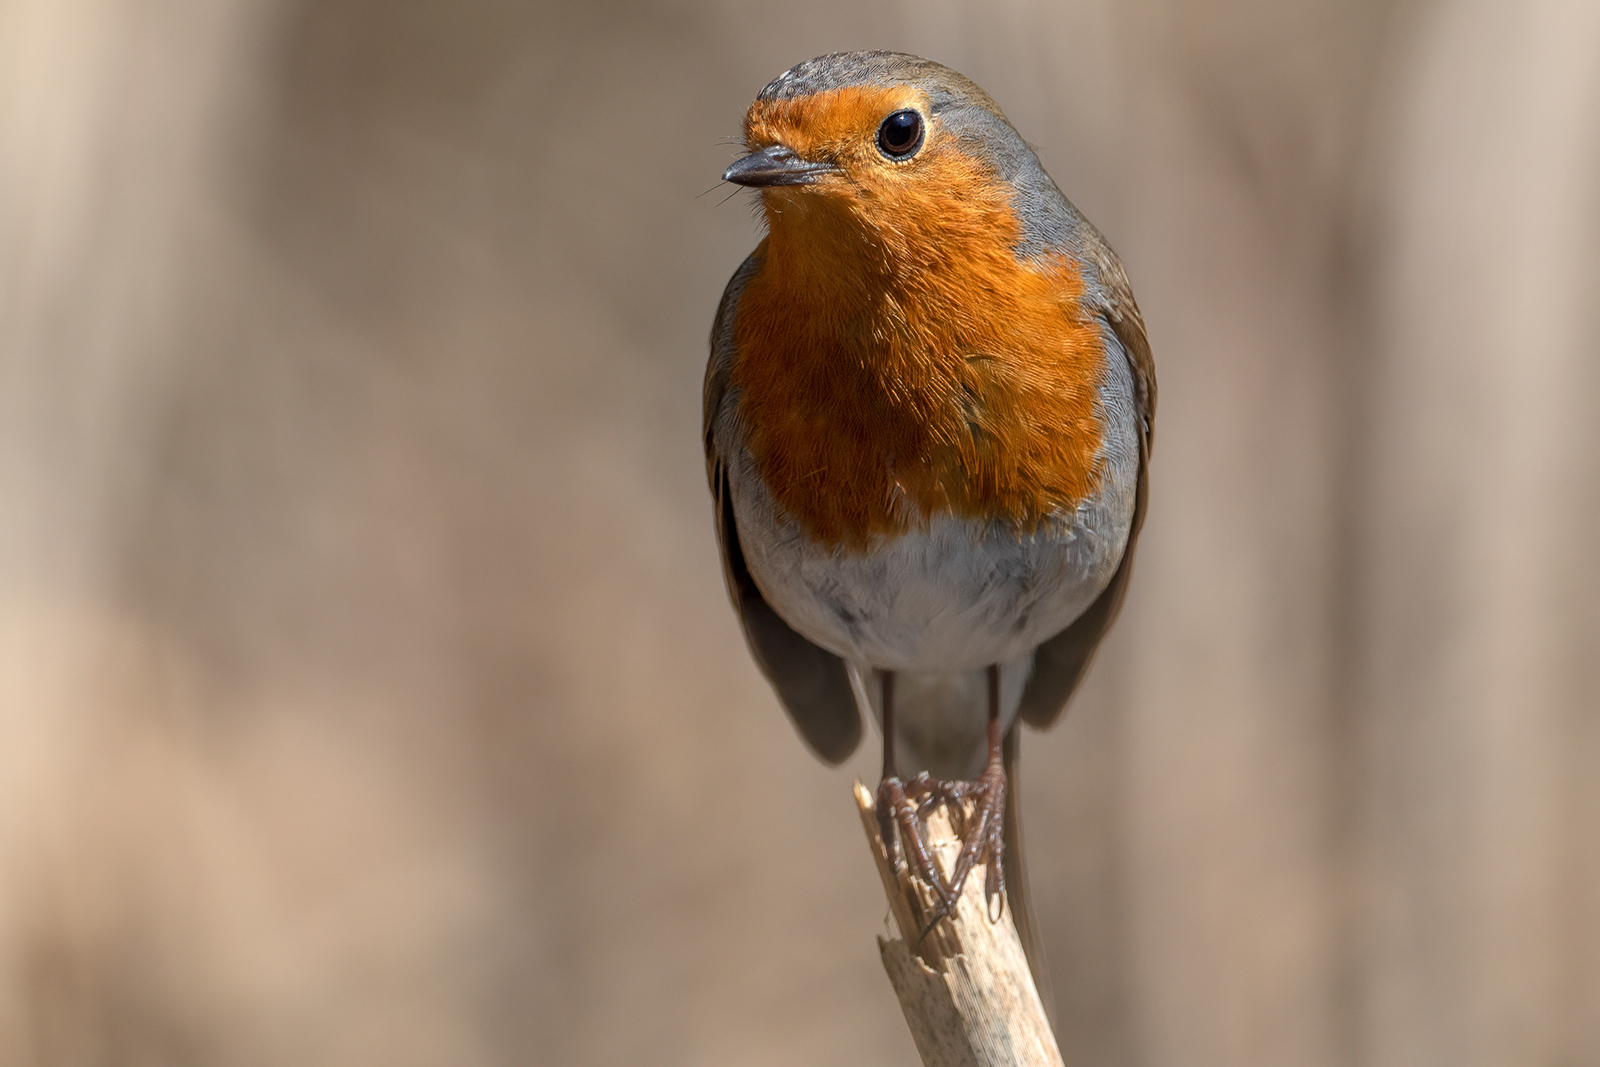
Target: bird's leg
983, 835
896, 809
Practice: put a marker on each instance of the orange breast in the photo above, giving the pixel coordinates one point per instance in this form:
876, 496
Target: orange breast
896, 361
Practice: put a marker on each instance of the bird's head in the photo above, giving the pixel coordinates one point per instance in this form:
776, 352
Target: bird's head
891, 156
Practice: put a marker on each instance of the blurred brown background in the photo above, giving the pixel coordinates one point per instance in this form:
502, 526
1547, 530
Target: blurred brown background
368, 693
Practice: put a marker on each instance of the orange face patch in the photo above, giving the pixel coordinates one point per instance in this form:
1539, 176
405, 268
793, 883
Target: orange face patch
837, 125
896, 360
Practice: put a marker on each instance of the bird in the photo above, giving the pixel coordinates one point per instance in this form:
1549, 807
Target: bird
928, 414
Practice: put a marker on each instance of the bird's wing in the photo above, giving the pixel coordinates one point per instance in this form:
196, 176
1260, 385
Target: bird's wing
811, 682
1059, 664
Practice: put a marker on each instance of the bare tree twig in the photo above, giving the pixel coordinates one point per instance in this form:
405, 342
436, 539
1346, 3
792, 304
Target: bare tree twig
966, 991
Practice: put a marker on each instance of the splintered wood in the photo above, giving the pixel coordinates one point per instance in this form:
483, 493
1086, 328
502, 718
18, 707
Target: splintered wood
966, 990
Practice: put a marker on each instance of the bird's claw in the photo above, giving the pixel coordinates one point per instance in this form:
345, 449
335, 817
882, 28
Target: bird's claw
906, 806
896, 809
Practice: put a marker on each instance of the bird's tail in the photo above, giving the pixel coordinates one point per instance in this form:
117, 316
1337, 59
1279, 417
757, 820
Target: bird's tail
1019, 897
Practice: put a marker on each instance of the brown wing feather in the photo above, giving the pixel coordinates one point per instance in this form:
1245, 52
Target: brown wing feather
1060, 663
810, 681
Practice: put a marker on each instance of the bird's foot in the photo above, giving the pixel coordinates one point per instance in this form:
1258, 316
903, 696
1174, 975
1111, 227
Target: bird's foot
897, 810
906, 805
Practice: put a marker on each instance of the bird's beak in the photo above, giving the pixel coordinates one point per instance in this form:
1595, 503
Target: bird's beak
775, 165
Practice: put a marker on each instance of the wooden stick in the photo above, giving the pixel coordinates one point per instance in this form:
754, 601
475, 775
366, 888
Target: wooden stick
966, 991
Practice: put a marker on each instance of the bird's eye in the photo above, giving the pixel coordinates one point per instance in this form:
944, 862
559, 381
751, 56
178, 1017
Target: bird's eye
900, 134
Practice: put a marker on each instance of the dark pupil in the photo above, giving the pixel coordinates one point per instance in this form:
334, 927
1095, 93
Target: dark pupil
898, 134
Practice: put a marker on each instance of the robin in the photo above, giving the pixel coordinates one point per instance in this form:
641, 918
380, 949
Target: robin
928, 419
